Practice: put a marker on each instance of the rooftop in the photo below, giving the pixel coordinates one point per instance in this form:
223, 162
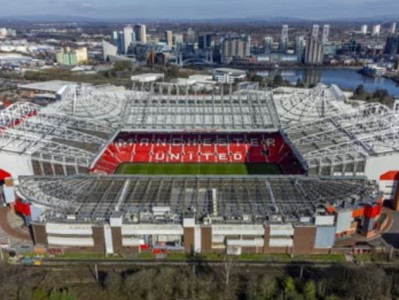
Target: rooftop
167, 199
52, 86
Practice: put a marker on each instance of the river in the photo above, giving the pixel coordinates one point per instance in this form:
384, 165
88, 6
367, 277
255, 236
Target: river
346, 79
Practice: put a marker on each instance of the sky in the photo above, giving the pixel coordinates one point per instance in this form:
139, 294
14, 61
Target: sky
201, 9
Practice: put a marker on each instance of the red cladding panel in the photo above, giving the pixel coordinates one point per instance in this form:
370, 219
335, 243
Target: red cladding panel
372, 211
22, 208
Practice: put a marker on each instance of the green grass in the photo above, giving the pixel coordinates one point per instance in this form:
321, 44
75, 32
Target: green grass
198, 169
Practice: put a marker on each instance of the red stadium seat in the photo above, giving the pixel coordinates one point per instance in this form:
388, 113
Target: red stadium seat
198, 148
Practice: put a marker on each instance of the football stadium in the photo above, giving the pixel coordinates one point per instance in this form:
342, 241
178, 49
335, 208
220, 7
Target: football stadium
163, 166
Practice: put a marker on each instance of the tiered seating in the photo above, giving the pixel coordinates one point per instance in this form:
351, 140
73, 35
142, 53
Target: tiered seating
197, 148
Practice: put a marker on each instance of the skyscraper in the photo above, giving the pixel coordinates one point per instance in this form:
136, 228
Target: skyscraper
141, 33
268, 44
205, 41
314, 52
392, 46
235, 47
363, 29
118, 41
128, 38
284, 39
315, 31
177, 39
393, 28
376, 30
326, 33
169, 37
190, 36
300, 44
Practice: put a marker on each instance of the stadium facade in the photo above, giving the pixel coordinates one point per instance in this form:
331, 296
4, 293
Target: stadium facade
62, 157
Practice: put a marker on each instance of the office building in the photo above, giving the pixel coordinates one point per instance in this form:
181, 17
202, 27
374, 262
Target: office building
314, 52
392, 46
268, 44
376, 30
393, 28
109, 50
284, 39
315, 31
326, 34
235, 47
190, 36
177, 39
300, 45
68, 57
205, 41
128, 38
169, 38
363, 29
140, 32
118, 41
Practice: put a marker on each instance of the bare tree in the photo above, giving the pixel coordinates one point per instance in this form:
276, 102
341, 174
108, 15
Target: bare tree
229, 262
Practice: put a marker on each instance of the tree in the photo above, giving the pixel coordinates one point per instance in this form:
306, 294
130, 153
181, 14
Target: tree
359, 91
277, 80
289, 285
24, 293
309, 290
113, 282
299, 83
123, 65
229, 262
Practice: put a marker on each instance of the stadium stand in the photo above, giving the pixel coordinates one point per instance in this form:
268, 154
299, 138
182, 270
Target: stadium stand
198, 148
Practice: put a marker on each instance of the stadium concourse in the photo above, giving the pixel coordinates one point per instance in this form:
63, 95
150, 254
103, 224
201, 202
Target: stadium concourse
74, 146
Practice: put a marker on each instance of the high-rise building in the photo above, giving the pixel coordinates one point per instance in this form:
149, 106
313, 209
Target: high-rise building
128, 38
284, 39
109, 50
235, 47
363, 29
315, 31
177, 39
300, 45
169, 37
393, 28
314, 53
392, 46
118, 41
326, 33
205, 41
268, 44
140, 33
376, 30
70, 57
190, 36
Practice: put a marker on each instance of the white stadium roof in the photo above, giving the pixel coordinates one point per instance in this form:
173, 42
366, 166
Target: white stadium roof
25, 129
322, 126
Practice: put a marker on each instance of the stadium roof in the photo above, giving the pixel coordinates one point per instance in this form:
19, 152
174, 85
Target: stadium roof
25, 129
172, 108
296, 106
250, 199
369, 130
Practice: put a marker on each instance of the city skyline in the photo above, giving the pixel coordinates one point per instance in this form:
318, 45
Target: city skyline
176, 9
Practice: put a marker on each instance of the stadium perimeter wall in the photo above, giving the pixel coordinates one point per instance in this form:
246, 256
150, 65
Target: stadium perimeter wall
187, 237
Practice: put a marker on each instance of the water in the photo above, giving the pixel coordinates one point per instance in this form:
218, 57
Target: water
346, 79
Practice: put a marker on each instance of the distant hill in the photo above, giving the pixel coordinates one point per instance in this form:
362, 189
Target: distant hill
266, 20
